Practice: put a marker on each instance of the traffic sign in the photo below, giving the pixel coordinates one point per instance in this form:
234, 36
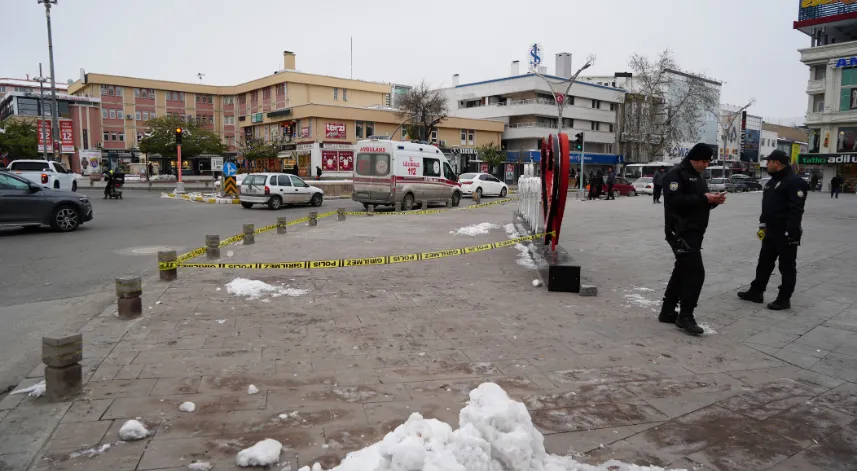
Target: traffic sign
229, 186
229, 169
560, 98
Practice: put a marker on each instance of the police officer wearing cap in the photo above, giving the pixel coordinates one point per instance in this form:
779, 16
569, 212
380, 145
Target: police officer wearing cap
780, 229
687, 204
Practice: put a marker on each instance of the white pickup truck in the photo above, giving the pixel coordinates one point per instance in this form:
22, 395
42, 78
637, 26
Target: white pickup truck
46, 173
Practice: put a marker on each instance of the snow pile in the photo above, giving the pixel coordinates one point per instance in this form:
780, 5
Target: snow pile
35, 390
89, 453
199, 466
264, 453
133, 430
495, 434
476, 229
252, 389
187, 407
255, 289
707, 330
524, 258
537, 283
641, 301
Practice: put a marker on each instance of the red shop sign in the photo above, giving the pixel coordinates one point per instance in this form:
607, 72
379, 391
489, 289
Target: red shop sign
346, 161
334, 130
329, 160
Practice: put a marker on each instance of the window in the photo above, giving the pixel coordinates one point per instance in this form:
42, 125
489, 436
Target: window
848, 92
344, 94
112, 113
569, 100
229, 100
596, 104
110, 91
613, 106
254, 95
335, 93
139, 137
595, 125
197, 98
404, 133
106, 136
242, 99
151, 115
104, 89
373, 164
146, 115
434, 136
104, 113
281, 89
818, 103
298, 182
613, 84
121, 137
463, 136
136, 93
118, 91
431, 167
284, 180
138, 116
447, 172
151, 94
266, 92
181, 96
370, 129
112, 136
358, 129
819, 72
2, 89
611, 127
8, 182
198, 120
470, 136
386, 99
229, 120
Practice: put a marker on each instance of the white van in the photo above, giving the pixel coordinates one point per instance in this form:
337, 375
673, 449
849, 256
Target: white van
391, 173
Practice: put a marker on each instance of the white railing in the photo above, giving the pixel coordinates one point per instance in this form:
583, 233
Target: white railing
529, 201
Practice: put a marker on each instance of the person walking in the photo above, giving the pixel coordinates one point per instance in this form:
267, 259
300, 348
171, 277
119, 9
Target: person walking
783, 201
658, 183
151, 170
813, 182
835, 186
687, 205
611, 180
592, 185
317, 172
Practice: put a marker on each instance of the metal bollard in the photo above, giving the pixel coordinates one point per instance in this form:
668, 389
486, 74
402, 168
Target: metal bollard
212, 246
168, 256
128, 292
63, 371
249, 236
313, 218
370, 211
340, 214
281, 225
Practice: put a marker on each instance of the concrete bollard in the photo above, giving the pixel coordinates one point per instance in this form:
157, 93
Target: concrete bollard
476, 198
370, 211
424, 205
340, 214
212, 246
281, 225
168, 256
313, 218
63, 371
128, 292
249, 236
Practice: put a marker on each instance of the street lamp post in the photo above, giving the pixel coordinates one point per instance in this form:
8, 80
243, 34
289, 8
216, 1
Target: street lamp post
42, 128
726, 126
54, 111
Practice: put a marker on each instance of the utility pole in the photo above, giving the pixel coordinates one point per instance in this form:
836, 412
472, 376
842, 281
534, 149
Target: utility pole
726, 126
42, 129
54, 111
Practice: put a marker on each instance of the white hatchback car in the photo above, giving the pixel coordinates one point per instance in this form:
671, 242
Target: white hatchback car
278, 189
482, 184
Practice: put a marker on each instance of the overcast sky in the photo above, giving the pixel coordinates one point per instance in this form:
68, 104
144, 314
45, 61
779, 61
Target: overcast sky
747, 44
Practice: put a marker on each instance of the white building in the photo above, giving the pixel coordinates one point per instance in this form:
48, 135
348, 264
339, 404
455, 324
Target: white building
528, 107
768, 145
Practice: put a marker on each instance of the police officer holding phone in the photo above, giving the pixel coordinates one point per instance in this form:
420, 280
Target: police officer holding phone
687, 204
780, 229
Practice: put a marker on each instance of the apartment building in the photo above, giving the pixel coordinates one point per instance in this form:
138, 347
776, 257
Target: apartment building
27, 85
831, 115
527, 108
315, 120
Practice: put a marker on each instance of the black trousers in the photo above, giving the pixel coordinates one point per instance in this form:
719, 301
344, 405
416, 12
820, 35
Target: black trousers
656, 194
610, 192
776, 246
688, 274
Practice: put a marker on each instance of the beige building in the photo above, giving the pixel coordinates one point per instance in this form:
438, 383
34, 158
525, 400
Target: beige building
308, 116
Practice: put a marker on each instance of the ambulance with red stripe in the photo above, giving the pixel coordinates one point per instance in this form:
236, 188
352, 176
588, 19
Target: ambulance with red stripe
405, 174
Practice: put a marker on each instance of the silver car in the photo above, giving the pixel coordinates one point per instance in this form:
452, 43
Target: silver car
717, 184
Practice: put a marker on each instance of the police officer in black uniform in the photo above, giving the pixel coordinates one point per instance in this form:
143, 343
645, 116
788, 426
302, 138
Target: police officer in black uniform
780, 230
687, 204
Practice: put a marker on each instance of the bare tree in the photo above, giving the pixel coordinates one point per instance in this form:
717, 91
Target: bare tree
426, 108
664, 106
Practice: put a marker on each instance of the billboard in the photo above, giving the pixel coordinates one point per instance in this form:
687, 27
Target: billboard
66, 135
750, 152
334, 130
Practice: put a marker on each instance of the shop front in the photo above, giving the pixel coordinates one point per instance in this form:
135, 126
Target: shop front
336, 160
830, 165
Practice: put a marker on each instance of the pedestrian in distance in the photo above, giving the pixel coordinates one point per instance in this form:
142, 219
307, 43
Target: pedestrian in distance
813, 182
783, 200
687, 205
592, 190
150, 171
658, 184
611, 180
317, 172
835, 186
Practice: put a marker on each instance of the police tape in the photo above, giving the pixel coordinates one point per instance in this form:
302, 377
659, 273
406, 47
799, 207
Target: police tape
353, 262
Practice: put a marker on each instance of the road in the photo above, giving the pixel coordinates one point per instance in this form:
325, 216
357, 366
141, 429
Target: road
56, 282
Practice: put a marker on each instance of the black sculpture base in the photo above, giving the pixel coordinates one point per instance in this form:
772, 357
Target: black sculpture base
557, 269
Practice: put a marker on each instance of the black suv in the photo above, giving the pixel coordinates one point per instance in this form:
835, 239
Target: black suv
23, 203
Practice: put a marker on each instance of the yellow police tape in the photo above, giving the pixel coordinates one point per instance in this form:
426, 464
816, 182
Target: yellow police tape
352, 262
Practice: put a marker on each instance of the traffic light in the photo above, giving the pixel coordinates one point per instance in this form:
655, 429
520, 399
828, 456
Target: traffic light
179, 132
578, 142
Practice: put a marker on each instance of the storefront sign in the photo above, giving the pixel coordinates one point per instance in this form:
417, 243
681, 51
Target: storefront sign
795, 153
66, 135
329, 160
256, 118
827, 159
334, 130
90, 162
304, 132
483, 167
464, 151
346, 161
334, 146
510, 172
304, 147
846, 62
217, 164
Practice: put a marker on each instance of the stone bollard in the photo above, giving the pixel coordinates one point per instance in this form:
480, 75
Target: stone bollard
168, 256
128, 292
212, 246
476, 198
313, 218
63, 371
281, 225
370, 211
249, 236
340, 214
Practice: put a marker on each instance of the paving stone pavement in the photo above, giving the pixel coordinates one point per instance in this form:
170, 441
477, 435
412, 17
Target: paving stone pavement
345, 363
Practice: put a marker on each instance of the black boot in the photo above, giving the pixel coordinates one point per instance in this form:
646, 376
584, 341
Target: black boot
687, 323
668, 313
780, 304
752, 296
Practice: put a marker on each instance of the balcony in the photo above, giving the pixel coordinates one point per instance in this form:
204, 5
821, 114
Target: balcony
815, 86
534, 106
818, 54
537, 130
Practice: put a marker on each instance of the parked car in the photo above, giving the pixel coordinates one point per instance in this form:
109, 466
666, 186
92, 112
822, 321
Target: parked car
764, 181
276, 190
644, 186
717, 184
621, 187
24, 203
45, 173
482, 184
742, 183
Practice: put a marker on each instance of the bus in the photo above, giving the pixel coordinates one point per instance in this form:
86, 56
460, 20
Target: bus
717, 171
635, 171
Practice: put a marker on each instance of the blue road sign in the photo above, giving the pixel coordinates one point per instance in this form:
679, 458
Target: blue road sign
229, 169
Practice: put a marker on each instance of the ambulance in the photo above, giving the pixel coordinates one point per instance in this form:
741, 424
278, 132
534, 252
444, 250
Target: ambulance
403, 174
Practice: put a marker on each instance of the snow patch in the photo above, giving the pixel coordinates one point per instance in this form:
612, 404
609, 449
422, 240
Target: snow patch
476, 229
264, 453
495, 434
89, 453
133, 430
524, 258
707, 330
252, 389
199, 466
511, 232
35, 390
187, 407
641, 301
255, 289
537, 283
